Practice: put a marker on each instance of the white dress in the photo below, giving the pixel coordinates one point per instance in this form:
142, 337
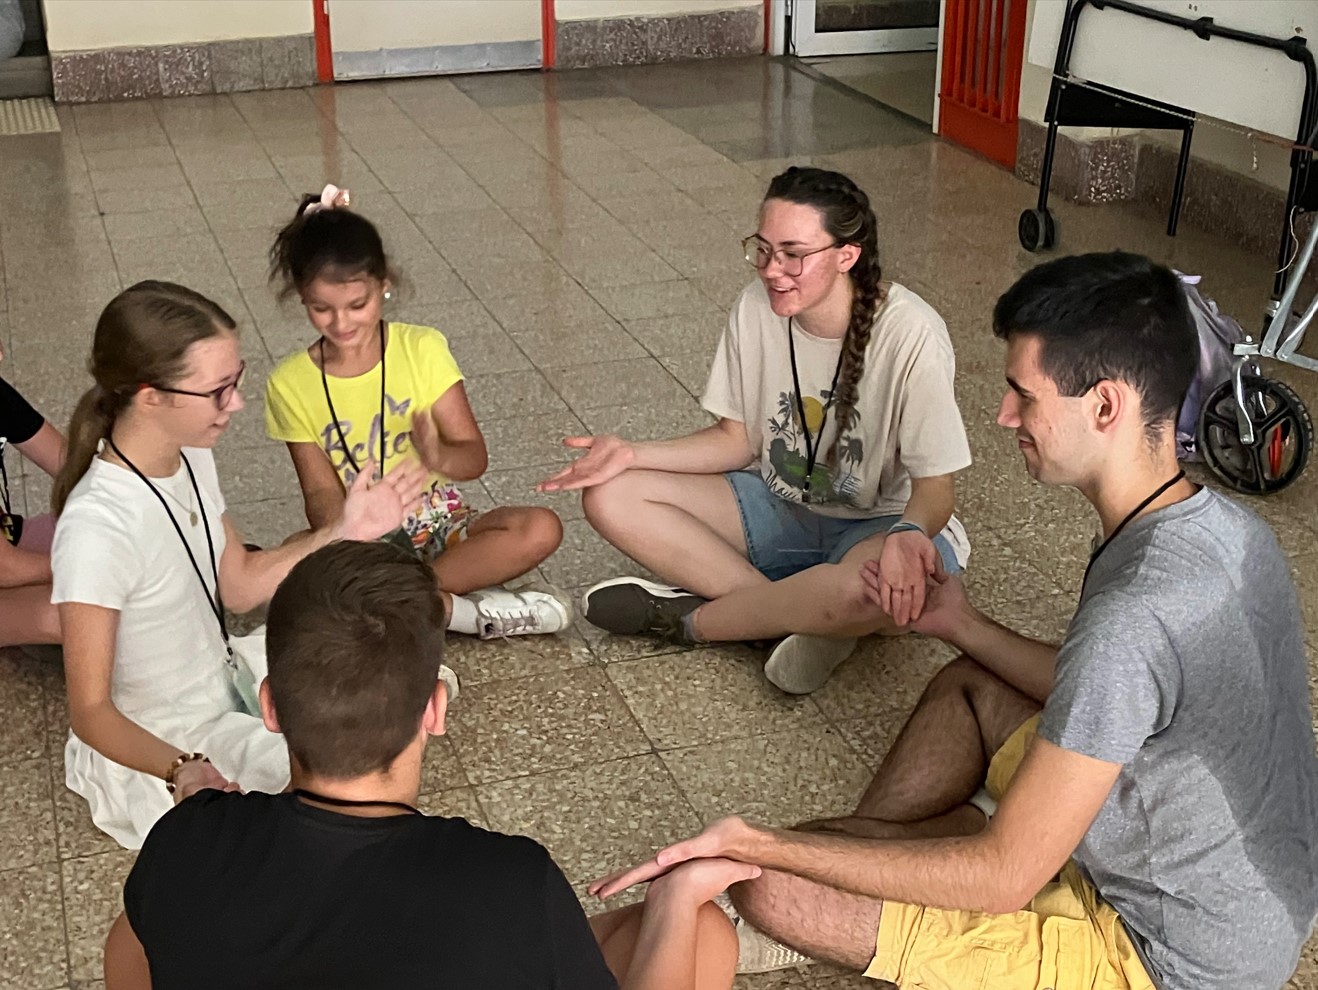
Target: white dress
114, 547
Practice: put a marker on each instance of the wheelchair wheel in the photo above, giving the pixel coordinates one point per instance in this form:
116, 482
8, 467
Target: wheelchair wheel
1283, 436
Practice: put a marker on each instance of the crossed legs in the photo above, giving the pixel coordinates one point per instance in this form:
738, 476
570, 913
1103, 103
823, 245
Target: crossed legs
920, 791
27, 618
687, 529
501, 544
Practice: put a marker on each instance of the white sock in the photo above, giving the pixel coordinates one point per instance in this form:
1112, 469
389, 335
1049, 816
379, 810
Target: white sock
983, 800
465, 618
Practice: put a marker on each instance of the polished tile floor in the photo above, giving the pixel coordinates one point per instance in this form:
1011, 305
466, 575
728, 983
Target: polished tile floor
903, 81
576, 237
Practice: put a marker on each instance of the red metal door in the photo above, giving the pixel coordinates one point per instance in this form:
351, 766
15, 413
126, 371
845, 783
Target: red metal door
983, 47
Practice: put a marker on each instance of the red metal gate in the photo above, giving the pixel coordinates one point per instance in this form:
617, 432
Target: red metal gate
983, 47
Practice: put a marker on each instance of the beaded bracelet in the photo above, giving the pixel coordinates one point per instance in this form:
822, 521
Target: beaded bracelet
177, 765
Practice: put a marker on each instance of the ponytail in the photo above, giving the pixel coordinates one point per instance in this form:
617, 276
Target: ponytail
92, 421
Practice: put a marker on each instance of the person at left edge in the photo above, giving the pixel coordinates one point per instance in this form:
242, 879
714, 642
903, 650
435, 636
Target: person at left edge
27, 618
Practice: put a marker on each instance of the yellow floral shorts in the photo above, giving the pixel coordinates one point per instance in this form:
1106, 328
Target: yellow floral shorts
1066, 938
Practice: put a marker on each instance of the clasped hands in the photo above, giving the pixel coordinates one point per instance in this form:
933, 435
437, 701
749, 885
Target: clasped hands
906, 578
700, 868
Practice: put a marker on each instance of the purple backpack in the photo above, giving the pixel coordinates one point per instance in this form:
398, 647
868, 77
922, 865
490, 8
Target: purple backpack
1218, 336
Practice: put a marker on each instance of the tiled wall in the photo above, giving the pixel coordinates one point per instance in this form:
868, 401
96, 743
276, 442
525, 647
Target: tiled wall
643, 40
1098, 171
1216, 199
184, 70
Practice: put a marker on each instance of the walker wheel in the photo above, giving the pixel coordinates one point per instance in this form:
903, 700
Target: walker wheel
1283, 436
1036, 229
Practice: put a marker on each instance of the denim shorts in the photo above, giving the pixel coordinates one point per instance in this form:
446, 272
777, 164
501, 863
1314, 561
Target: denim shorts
784, 537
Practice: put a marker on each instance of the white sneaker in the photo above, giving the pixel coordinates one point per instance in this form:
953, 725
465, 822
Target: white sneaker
450, 679
756, 951
519, 613
802, 664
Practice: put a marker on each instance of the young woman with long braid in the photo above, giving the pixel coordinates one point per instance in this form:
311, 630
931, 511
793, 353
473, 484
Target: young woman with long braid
837, 441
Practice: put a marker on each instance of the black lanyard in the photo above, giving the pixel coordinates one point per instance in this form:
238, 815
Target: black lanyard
345, 803
324, 381
4, 477
1093, 557
216, 602
811, 450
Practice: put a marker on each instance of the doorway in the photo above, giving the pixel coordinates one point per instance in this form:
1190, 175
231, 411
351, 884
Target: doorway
378, 38
886, 49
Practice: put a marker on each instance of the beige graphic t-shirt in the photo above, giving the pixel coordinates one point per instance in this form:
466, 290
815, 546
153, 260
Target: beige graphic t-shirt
906, 422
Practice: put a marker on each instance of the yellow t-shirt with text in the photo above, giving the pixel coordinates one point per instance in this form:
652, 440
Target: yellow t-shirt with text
418, 369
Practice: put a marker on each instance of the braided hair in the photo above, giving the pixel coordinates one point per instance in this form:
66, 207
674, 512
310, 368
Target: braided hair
844, 211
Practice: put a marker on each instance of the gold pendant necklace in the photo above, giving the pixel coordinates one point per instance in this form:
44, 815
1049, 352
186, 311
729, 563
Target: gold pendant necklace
186, 507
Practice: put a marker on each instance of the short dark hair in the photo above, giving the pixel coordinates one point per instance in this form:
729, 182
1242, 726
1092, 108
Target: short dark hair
354, 641
1111, 315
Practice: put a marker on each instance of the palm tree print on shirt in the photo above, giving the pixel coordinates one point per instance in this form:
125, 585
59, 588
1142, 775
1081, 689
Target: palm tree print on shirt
787, 461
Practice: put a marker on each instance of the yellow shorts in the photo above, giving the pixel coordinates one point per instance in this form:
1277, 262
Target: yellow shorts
1066, 938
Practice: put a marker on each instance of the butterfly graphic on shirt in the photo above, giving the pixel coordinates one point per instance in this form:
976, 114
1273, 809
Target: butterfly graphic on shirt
395, 443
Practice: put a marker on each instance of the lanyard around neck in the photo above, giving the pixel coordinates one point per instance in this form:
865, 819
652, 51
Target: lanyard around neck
334, 417
4, 478
811, 442
345, 803
1130, 517
216, 602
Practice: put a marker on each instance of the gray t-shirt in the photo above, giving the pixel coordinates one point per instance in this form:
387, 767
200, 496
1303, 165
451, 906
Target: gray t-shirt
1185, 663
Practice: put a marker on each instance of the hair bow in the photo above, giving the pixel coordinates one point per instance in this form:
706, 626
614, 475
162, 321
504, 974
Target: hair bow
331, 198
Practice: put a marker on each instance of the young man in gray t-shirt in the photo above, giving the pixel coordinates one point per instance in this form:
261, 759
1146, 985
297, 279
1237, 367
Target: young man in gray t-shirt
1157, 823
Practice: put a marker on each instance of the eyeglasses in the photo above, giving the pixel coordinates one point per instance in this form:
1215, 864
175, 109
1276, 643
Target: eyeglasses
221, 396
760, 252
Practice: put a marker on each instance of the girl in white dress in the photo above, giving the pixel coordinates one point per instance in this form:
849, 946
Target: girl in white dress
146, 559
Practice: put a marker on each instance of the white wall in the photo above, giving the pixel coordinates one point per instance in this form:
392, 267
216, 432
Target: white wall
1036, 81
366, 25
585, 10
1255, 87
84, 25
1228, 150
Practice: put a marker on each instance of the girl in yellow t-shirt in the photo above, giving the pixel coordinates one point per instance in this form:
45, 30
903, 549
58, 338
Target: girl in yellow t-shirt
369, 393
